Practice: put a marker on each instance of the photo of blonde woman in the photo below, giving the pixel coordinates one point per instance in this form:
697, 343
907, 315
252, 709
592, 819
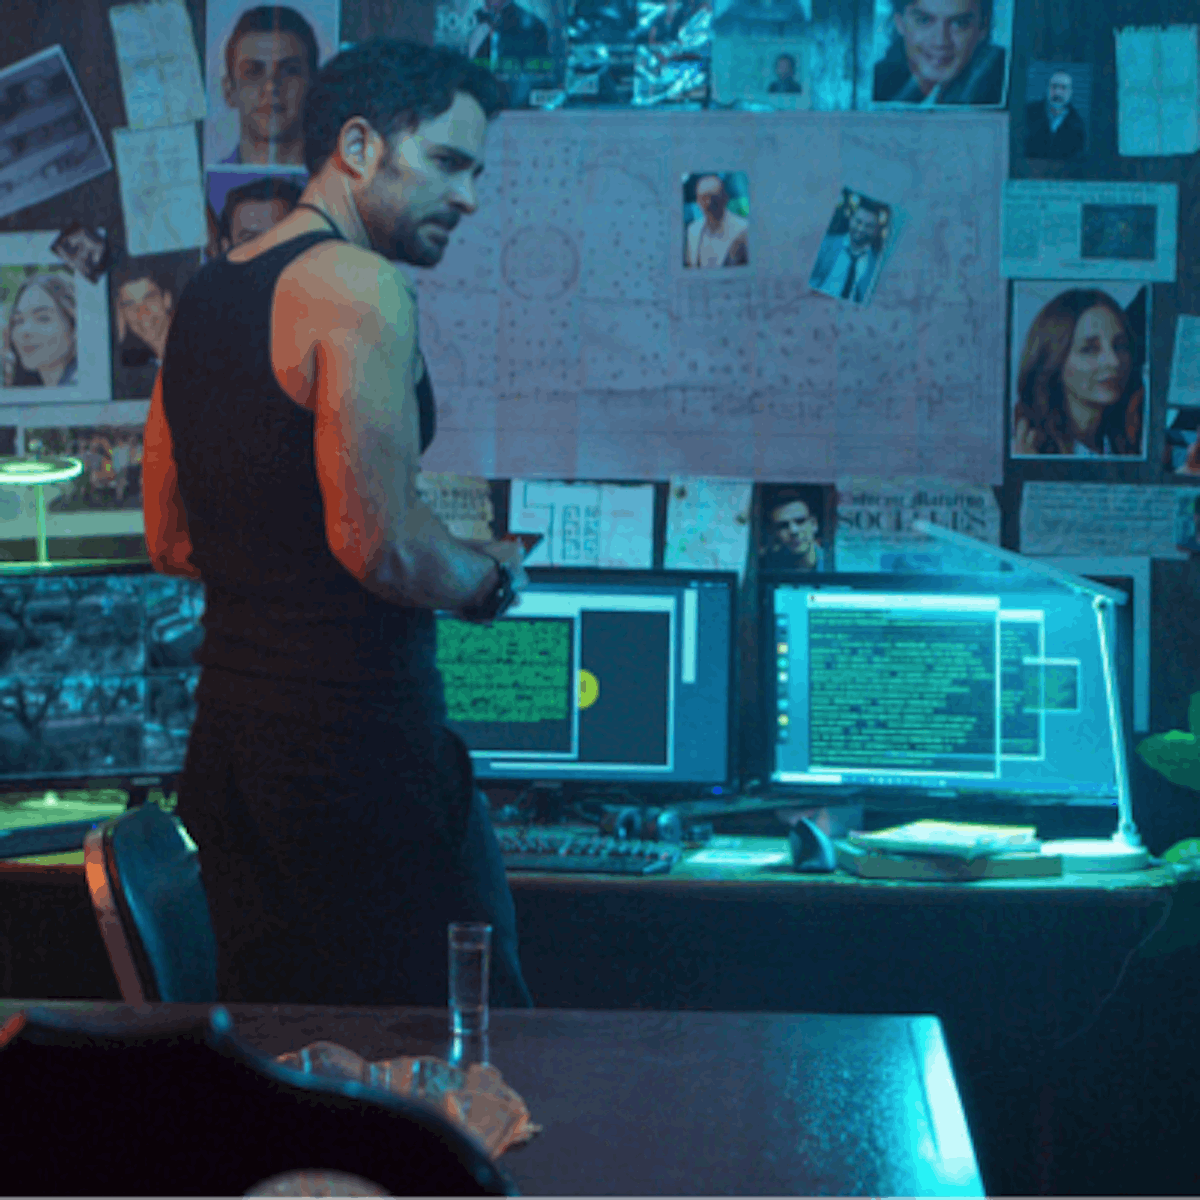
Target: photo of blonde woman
40, 345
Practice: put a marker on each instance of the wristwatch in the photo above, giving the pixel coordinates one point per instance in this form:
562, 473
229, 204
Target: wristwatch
500, 598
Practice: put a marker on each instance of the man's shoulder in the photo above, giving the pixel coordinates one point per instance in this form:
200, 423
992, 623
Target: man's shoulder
1035, 109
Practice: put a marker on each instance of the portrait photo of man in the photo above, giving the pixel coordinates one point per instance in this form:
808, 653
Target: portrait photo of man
261, 61
242, 206
792, 527
1054, 126
852, 250
145, 292
933, 52
785, 81
716, 220
84, 250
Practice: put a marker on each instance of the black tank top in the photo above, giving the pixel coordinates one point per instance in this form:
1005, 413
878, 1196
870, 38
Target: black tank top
279, 607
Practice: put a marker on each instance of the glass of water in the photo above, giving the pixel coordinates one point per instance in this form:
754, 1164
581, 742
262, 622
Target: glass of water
470, 959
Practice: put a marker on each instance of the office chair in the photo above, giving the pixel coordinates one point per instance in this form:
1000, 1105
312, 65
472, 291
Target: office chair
138, 1102
143, 876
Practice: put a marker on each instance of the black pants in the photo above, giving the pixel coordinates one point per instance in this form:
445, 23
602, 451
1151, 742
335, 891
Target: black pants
335, 848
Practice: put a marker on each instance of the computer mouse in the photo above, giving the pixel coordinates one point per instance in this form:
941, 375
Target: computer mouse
812, 848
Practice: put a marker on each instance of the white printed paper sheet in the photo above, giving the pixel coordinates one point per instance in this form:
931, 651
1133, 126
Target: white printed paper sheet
162, 198
463, 503
875, 533
1087, 519
1158, 91
708, 524
158, 64
585, 524
1089, 230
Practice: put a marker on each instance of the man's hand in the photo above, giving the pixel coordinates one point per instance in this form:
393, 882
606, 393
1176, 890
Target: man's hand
512, 555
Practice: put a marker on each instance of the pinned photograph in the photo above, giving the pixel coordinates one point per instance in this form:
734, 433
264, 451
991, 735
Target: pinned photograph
54, 326
1057, 110
1080, 371
84, 250
243, 205
930, 53
111, 481
673, 63
145, 292
49, 142
716, 220
854, 248
523, 44
600, 52
260, 61
795, 527
1119, 231
770, 73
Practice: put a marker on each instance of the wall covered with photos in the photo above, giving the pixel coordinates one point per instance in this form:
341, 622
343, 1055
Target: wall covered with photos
750, 285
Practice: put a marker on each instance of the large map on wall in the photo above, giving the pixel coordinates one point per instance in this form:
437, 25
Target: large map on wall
566, 337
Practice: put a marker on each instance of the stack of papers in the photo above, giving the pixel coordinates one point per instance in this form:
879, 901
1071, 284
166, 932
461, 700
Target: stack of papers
949, 839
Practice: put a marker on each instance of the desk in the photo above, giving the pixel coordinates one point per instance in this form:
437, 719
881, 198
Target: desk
683, 1104
1076, 1053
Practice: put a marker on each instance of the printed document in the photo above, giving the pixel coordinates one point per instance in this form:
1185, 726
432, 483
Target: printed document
1158, 91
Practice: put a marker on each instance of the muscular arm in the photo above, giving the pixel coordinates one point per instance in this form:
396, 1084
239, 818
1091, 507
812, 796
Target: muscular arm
167, 538
368, 439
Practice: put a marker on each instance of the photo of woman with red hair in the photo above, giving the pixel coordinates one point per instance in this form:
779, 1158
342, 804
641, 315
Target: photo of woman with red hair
1079, 377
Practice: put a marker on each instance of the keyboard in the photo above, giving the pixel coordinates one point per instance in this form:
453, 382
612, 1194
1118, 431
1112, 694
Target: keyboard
584, 854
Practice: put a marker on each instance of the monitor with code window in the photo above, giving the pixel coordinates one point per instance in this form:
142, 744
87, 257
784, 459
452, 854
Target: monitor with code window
600, 680
979, 688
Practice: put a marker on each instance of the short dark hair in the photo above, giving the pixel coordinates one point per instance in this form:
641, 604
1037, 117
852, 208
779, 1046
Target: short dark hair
161, 269
985, 9
262, 190
395, 86
810, 495
272, 18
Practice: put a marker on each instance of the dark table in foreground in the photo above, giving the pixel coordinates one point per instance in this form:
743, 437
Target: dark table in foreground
646, 1103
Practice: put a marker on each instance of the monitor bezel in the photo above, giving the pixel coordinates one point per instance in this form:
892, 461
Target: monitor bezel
912, 797
637, 791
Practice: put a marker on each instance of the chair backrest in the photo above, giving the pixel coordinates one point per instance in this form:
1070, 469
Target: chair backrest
143, 876
157, 1104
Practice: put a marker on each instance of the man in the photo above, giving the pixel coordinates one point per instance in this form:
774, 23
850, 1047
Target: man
793, 528
719, 238
270, 61
144, 303
942, 54
1053, 127
336, 816
254, 208
785, 76
846, 263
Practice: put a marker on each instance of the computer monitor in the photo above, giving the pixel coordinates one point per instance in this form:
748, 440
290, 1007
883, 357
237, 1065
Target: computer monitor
97, 680
899, 689
600, 681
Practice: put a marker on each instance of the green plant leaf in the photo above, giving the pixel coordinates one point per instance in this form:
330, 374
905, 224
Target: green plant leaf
1175, 755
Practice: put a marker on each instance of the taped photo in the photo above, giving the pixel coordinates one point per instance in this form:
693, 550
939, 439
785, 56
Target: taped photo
1058, 110
259, 63
795, 527
55, 326
855, 247
243, 204
1080, 372
716, 220
145, 293
941, 53
49, 141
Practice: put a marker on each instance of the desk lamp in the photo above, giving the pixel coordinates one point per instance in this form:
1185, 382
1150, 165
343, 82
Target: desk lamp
1124, 850
37, 472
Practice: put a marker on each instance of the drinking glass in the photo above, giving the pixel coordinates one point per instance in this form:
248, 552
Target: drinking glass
470, 957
